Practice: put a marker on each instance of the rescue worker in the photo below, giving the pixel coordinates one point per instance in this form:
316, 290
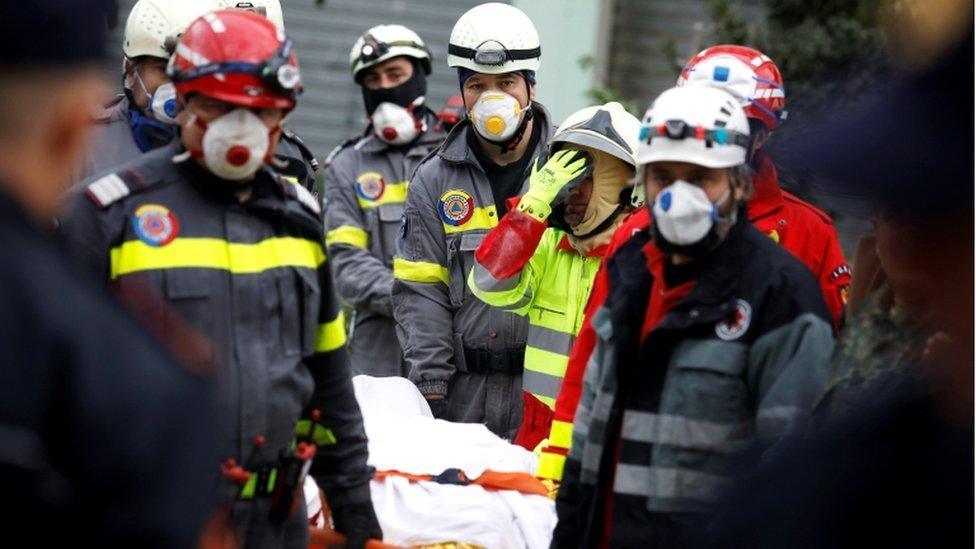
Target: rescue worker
545, 273
802, 229
711, 337
239, 254
293, 159
144, 116
366, 186
105, 436
464, 355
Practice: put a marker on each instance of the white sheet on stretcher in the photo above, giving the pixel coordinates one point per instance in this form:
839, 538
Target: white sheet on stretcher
404, 436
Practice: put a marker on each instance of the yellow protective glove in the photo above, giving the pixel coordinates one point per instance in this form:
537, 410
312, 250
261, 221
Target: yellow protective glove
566, 167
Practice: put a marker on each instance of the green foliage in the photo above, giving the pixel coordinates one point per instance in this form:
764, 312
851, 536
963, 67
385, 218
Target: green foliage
600, 94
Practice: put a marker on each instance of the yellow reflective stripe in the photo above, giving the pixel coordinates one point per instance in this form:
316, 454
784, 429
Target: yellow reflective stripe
214, 253
482, 218
551, 466
290, 178
561, 434
331, 335
546, 362
548, 401
349, 235
419, 271
394, 193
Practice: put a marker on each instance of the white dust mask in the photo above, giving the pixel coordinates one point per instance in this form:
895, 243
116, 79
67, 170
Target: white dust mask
497, 115
683, 214
163, 104
396, 125
235, 146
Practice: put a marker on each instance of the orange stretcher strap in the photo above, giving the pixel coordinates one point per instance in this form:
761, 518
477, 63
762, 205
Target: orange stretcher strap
489, 480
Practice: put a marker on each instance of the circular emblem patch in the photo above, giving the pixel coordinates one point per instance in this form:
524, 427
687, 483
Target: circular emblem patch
736, 323
155, 225
370, 186
456, 207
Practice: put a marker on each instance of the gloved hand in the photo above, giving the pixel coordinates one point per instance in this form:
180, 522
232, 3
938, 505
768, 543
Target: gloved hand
438, 407
563, 168
358, 523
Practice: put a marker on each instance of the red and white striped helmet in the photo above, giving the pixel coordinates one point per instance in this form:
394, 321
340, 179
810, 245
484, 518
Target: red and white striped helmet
239, 57
748, 74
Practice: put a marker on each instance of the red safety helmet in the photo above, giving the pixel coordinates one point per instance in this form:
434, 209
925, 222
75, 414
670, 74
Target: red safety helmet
238, 57
748, 74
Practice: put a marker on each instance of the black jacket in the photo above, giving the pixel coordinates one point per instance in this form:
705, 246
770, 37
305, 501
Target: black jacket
104, 436
740, 358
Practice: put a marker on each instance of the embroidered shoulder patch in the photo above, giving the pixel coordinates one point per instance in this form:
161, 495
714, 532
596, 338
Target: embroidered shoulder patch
456, 207
155, 225
841, 271
736, 323
370, 186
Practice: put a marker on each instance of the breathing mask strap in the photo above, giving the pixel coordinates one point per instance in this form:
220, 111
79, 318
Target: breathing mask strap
511, 143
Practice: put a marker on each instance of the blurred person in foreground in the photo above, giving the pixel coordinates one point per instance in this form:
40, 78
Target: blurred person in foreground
897, 471
103, 433
238, 253
712, 337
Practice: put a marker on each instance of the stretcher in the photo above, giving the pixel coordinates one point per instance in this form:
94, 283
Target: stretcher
441, 484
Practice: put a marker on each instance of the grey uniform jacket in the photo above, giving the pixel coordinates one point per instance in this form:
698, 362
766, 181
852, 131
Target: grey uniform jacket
453, 342
252, 278
112, 143
365, 189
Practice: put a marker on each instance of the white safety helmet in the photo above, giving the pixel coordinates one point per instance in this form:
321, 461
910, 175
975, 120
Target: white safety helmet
494, 38
608, 128
154, 26
701, 125
271, 9
384, 42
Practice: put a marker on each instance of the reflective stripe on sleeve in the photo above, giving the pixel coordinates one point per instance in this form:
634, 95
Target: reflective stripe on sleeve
551, 465
486, 282
348, 235
561, 434
666, 482
331, 335
542, 386
419, 271
213, 253
685, 432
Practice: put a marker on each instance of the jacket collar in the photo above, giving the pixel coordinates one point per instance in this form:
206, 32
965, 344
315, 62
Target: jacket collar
767, 196
564, 245
456, 150
374, 145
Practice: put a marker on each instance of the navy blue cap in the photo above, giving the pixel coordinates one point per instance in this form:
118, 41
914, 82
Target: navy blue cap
53, 32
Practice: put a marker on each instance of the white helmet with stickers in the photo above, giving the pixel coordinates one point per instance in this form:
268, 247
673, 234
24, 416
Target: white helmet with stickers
271, 9
154, 26
384, 42
494, 38
701, 125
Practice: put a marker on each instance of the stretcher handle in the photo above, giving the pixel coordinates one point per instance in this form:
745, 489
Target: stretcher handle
324, 539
